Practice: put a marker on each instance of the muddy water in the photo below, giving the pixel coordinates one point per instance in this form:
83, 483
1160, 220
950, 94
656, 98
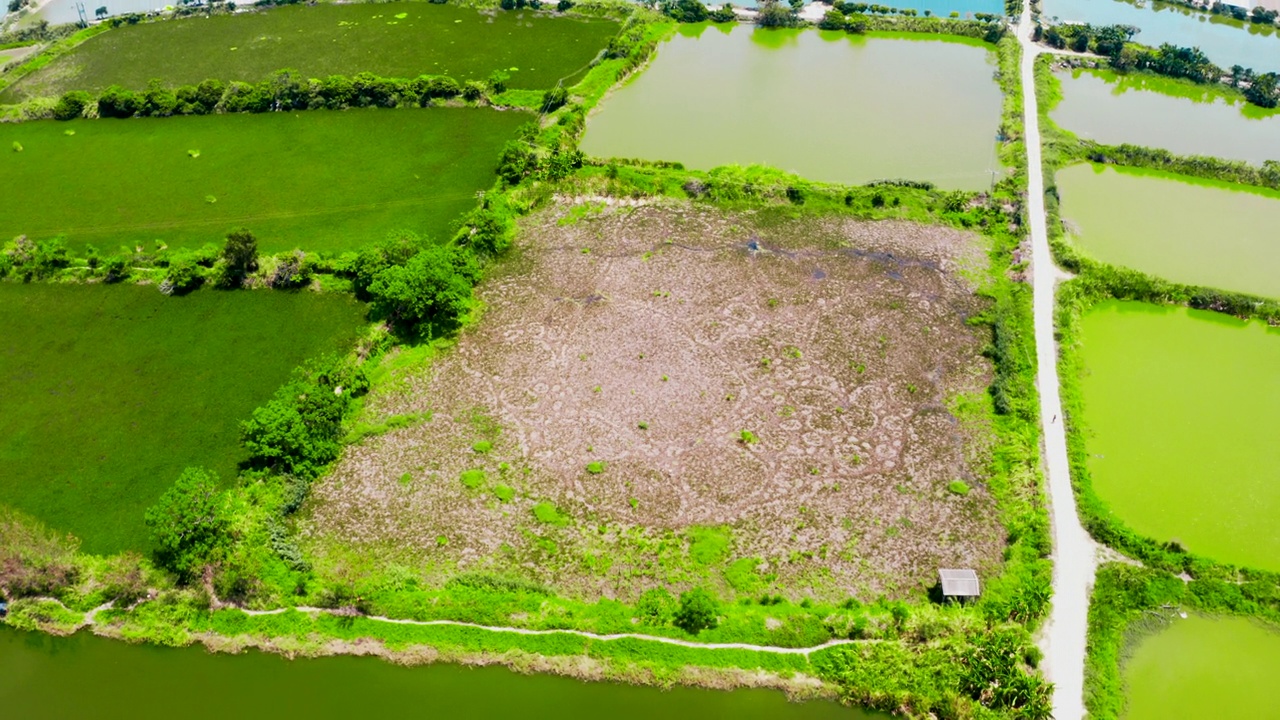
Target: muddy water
1197, 232
1183, 118
1226, 42
1182, 412
828, 106
1204, 667
90, 677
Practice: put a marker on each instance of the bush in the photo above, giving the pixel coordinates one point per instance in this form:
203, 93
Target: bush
33, 559
698, 611
685, 11
434, 286
72, 105
554, 99
298, 432
32, 260
184, 276
655, 607
396, 249
189, 523
116, 102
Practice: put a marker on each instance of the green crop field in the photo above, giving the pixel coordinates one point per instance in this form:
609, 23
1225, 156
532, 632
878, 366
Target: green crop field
316, 180
108, 392
389, 39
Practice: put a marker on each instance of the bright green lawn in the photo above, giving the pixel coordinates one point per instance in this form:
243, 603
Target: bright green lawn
107, 392
318, 180
326, 40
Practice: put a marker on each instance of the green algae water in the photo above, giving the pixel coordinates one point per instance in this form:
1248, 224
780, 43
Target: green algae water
1159, 112
1225, 41
829, 106
1203, 667
1182, 412
84, 676
1198, 232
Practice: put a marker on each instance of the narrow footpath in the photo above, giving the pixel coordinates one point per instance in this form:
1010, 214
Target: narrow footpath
1074, 559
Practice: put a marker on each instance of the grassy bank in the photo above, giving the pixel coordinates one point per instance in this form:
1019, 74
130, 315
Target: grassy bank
390, 39
111, 391
322, 181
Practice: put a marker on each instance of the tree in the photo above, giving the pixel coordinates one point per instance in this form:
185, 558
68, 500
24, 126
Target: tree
396, 249
686, 11
698, 611
240, 255
773, 13
833, 19
189, 523
433, 287
554, 98
1264, 91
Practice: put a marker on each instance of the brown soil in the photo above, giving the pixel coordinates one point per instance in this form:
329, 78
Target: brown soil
648, 339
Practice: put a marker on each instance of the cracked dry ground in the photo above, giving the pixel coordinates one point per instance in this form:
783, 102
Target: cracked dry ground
648, 339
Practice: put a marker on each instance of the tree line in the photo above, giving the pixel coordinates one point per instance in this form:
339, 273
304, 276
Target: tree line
285, 90
1115, 43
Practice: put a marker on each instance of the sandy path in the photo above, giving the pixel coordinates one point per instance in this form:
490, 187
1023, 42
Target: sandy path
1063, 636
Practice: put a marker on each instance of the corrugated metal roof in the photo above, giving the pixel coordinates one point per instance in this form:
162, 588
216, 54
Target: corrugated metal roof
959, 583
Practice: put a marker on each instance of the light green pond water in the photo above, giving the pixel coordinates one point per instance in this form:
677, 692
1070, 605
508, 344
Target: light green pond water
828, 106
1190, 231
1163, 113
90, 677
1182, 410
1204, 667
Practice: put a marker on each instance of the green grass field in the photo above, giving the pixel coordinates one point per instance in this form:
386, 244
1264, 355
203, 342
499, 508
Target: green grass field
316, 180
108, 392
389, 39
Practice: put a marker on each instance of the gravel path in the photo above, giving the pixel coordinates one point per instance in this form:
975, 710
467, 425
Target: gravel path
1063, 636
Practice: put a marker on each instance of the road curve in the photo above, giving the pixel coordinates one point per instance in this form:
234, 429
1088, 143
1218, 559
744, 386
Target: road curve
1074, 561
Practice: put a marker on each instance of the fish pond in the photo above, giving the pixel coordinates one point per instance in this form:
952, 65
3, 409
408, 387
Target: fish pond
1181, 413
1224, 40
110, 391
317, 180
1204, 667
1199, 232
1179, 116
404, 39
139, 682
829, 106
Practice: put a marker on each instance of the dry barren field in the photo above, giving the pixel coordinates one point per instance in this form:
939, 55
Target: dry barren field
676, 395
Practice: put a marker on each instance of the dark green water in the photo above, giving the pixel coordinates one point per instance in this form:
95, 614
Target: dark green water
1182, 411
1205, 667
90, 677
828, 106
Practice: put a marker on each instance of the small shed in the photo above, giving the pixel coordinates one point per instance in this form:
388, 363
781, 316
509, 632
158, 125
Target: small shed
960, 584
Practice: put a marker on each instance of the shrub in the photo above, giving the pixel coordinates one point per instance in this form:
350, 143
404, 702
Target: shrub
547, 512
33, 559
72, 105
504, 493
184, 276
698, 611
482, 446
959, 487
554, 99
116, 102
655, 607
298, 431
188, 524
472, 478
595, 468
396, 249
